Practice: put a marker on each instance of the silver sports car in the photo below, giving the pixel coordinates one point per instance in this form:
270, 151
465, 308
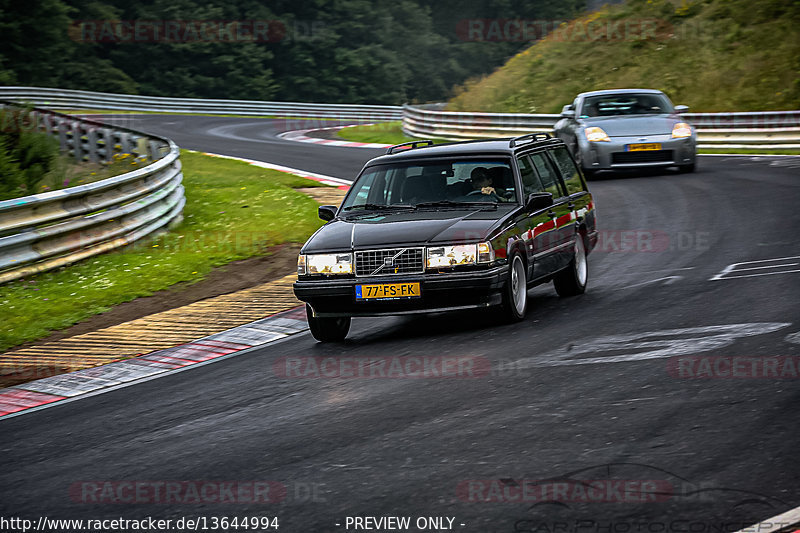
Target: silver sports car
627, 128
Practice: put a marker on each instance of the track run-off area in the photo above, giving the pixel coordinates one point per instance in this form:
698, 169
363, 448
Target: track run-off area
664, 399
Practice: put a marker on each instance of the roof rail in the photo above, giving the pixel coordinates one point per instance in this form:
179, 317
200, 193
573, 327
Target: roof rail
530, 137
408, 146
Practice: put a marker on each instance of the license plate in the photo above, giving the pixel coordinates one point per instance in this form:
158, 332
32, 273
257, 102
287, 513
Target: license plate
644, 147
388, 291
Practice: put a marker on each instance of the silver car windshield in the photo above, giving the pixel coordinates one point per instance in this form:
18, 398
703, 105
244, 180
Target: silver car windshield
610, 105
433, 184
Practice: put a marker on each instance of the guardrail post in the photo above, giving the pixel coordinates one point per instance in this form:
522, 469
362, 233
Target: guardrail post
91, 144
77, 140
105, 144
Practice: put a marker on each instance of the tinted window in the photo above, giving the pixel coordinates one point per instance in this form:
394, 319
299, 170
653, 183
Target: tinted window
411, 183
569, 172
547, 174
530, 180
608, 105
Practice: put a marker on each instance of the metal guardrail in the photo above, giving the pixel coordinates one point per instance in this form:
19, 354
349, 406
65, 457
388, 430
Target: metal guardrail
75, 100
52, 229
768, 130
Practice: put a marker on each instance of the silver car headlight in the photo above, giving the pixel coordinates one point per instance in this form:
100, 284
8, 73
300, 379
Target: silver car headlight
681, 130
595, 134
325, 264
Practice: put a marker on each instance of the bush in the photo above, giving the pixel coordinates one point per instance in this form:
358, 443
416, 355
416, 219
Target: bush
26, 155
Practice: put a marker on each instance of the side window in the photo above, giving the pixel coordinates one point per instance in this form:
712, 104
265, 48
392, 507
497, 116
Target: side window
548, 175
530, 180
569, 172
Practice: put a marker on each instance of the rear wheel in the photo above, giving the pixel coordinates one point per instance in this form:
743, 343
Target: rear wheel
572, 280
327, 329
515, 294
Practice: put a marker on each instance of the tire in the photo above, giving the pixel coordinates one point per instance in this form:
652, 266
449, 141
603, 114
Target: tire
572, 280
685, 169
333, 329
587, 172
515, 293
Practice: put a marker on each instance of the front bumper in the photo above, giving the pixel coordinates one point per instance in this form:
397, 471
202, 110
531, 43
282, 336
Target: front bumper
613, 154
440, 292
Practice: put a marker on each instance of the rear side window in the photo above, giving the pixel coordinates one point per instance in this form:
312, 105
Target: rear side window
569, 172
547, 174
530, 180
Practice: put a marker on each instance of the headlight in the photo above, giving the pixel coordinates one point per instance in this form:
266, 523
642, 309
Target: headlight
681, 130
595, 134
459, 254
326, 264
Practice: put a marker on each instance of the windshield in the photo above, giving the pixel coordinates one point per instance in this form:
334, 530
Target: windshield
609, 105
433, 184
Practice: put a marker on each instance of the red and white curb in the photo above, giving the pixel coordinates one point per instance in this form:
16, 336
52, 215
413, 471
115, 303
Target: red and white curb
45, 392
300, 136
321, 178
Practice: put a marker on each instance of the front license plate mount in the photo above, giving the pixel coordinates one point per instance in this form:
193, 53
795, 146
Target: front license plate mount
643, 147
388, 291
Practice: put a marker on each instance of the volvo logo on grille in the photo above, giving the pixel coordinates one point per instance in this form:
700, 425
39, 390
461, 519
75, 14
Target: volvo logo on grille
389, 261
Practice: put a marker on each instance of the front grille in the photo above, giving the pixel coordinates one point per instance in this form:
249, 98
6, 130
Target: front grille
648, 156
403, 261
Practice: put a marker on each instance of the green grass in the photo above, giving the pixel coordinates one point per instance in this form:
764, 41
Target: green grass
713, 55
233, 211
384, 133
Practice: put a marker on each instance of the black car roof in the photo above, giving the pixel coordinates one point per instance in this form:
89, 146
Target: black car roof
464, 148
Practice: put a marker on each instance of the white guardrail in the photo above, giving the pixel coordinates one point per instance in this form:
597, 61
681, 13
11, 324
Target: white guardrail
52, 229
74, 100
765, 130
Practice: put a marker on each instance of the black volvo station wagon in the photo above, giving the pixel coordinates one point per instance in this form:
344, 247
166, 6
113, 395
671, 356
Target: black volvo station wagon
429, 228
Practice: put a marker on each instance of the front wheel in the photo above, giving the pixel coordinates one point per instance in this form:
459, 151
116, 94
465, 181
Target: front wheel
515, 294
572, 280
327, 329
691, 167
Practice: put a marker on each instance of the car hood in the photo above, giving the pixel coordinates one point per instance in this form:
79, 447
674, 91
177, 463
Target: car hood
627, 126
386, 230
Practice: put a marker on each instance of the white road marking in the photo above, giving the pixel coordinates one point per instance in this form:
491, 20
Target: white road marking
794, 338
328, 180
735, 267
770, 266
669, 343
776, 523
669, 281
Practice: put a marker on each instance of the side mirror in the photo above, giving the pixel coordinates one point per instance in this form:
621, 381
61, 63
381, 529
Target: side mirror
681, 108
538, 201
568, 113
327, 212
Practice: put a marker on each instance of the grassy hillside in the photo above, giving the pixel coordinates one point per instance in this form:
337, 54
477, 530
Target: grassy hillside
713, 55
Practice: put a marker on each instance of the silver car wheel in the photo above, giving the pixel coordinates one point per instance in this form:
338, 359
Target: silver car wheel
519, 285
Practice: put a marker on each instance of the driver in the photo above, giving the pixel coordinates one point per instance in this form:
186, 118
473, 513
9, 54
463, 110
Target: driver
481, 181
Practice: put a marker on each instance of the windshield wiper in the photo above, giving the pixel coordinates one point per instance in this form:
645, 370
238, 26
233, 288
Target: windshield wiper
378, 206
447, 203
